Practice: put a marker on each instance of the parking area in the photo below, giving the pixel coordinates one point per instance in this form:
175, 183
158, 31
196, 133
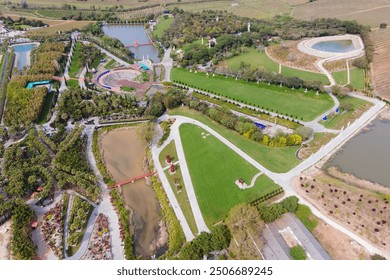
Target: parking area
286, 232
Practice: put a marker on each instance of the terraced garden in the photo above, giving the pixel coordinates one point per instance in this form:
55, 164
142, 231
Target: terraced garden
213, 181
269, 97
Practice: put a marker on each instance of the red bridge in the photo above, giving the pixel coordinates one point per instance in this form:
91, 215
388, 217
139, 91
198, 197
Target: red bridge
136, 44
132, 180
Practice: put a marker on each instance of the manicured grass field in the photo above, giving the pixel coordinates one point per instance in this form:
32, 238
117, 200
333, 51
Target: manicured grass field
181, 196
275, 159
46, 108
270, 97
254, 58
63, 26
356, 76
214, 168
74, 68
341, 119
162, 25
304, 75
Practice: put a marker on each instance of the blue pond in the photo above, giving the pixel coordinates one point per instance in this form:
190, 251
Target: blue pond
339, 46
22, 55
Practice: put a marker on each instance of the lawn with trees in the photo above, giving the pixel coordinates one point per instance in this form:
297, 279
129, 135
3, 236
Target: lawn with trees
281, 100
177, 185
163, 23
279, 160
213, 181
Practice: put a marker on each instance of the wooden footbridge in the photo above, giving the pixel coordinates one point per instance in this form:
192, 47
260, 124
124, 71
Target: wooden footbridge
132, 180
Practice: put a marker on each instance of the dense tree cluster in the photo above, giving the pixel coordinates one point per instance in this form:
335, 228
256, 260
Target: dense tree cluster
88, 54
205, 243
245, 126
160, 102
24, 105
276, 210
77, 103
23, 248
11, 23
77, 220
246, 226
24, 164
71, 167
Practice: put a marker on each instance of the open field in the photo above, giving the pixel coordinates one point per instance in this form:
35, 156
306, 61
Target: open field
358, 107
274, 159
304, 75
365, 12
356, 76
213, 181
181, 195
254, 58
162, 25
270, 97
381, 66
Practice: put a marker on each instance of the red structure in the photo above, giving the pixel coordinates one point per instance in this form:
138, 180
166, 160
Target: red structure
132, 180
34, 225
168, 159
39, 189
172, 168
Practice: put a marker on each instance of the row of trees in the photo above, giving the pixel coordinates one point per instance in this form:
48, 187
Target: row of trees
245, 126
205, 243
10, 23
160, 102
77, 220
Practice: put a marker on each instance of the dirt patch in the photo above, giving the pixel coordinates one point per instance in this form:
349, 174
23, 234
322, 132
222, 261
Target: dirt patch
5, 240
356, 204
287, 53
338, 245
123, 154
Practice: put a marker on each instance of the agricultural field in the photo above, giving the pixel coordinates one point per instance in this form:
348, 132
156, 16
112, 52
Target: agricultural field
162, 25
370, 13
181, 194
381, 66
270, 97
357, 108
214, 183
62, 26
246, 8
254, 58
275, 159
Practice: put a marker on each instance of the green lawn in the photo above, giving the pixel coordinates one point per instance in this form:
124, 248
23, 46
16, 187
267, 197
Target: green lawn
96, 62
72, 84
181, 196
74, 68
254, 58
270, 97
356, 76
304, 75
162, 25
304, 214
46, 107
109, 64
341, 119
275, 159
214, 168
